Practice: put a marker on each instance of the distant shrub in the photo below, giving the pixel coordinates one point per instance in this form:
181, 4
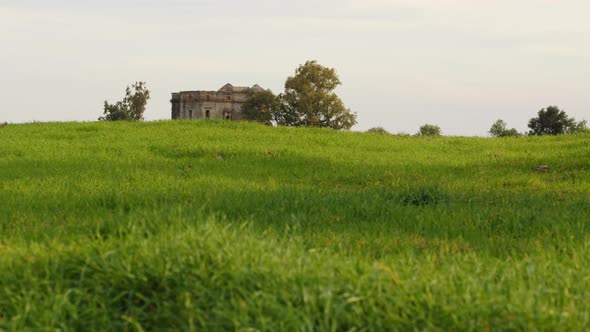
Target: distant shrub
378, 131
499, 129
512, 132
4, 124
423, 196
579, 127
131, 107
429, 130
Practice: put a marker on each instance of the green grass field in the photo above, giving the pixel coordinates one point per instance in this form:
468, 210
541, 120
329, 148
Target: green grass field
235, 226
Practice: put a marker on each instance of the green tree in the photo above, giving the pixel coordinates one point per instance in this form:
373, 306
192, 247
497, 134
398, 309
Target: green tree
378, 131
551, 121
131, 107
309, 99
579, 127
512, 132
261, 106
499, 129
429, 130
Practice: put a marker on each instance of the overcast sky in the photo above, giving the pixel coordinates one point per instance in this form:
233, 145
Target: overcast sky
460, 64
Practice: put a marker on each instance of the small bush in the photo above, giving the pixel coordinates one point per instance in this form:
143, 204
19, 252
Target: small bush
429, 130
579, 127
499, 129
378, 131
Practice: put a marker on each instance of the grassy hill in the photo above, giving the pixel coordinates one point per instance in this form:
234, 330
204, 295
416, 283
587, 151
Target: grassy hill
224, 225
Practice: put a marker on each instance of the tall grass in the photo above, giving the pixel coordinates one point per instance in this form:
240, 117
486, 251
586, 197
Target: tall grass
223, 225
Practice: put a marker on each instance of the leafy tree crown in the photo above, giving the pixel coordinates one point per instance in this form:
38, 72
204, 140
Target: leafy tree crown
261, 106
131, 107
309, 99
551, 121
499, 129
429, 130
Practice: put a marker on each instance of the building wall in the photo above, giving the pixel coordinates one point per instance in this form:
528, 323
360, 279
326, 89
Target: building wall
175, 106
200, 108
225, 103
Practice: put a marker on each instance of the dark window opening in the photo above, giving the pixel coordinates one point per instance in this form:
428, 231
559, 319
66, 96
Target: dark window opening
207, 114
190, 114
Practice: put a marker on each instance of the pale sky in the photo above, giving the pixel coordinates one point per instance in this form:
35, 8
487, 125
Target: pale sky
459, 64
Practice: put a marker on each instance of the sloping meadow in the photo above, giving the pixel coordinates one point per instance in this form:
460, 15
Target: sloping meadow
222, 225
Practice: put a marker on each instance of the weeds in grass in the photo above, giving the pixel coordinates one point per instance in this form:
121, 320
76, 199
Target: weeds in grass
424, 196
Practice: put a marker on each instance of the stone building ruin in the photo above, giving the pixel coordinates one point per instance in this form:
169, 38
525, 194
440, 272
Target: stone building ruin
225, 103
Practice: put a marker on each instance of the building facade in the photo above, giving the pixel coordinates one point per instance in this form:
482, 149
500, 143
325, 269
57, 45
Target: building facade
225, 103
